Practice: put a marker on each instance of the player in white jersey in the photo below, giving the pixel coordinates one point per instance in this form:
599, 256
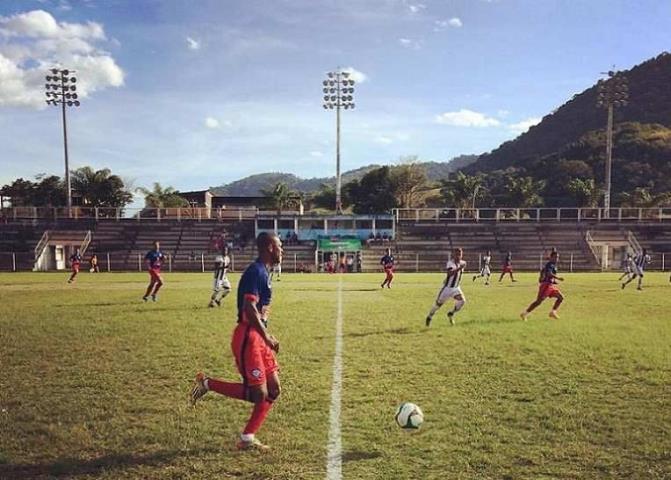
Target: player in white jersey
451, 288
627, 266
640, 261
485, 271
277, 270
221, 286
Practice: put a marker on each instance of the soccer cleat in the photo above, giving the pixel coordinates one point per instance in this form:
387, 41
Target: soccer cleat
624, 285
474, 277
199, 388
450, 316
254, 444
639, 288
145, 298
428, 321
153, 298
524, 315
211, 304
218, 302
554, 314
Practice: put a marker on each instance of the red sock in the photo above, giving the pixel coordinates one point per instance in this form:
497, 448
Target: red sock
233, 390
259, 414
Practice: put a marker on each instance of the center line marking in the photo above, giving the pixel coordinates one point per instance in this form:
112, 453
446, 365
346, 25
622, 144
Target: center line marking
334, 453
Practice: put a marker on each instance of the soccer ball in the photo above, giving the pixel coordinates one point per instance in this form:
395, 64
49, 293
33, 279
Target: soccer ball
409, 416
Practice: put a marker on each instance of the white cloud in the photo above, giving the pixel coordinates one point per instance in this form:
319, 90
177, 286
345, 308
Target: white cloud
211, 122
466, 118
356, 75
455, 22
382, 140
502, 113
416, 7
32, 42
409, 43
192, 44
524, 125
316, 154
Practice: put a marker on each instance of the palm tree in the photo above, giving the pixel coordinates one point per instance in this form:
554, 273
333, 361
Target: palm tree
642, 197
279, 196
99, 188
461, 191
160, 197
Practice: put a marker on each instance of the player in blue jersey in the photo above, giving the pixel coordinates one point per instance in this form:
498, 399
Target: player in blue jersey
388, 263
154, 259
75, 262
253, 347
548, 287
640, 262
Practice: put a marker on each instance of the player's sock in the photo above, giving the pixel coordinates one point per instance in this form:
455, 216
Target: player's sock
259, 414
458, 306
434, 309
232, 390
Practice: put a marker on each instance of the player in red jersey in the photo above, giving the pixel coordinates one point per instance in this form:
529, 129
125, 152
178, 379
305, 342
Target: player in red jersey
507, 267
75, 262
388, 263
253, 347
154, 259
548, 287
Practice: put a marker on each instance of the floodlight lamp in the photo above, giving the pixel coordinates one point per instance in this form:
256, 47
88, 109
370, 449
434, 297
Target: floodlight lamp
73, 88
73, 79
77, 103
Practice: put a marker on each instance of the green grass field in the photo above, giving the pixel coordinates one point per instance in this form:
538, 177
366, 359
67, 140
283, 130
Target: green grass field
94, 383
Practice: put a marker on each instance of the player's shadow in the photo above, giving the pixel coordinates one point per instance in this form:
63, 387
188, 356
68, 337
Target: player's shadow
357, 456
391, 331
70, 467
489, 321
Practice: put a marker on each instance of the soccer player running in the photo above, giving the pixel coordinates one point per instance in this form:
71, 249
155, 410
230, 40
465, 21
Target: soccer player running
547, 288
507, 267
75, 262
388, 263
627, 266
451, 287
253, 347
640, 261
154, 259
221, 284
485, 271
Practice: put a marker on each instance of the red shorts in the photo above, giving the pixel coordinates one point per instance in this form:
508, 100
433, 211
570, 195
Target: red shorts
75, 268
546, 290
154, 274
507, 269
253, 357
389, 271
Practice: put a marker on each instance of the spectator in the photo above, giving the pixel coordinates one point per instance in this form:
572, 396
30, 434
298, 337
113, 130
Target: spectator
358, 262
350, 263
94, 264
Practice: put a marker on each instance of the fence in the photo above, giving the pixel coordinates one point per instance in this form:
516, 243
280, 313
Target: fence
118, 214
456, 215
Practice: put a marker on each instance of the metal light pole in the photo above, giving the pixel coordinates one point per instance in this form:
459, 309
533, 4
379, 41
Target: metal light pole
338, 90
613, 93
61, 89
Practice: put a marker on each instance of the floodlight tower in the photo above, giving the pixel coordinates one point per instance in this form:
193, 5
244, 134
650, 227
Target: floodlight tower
61, 89
338, 90
612, 93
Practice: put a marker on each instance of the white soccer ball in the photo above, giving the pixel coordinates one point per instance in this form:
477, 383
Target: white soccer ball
409, 416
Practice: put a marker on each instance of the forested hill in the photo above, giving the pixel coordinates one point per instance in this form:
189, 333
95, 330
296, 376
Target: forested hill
649, 103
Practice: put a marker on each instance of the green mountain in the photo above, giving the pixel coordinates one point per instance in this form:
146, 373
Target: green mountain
649, 103
252, 185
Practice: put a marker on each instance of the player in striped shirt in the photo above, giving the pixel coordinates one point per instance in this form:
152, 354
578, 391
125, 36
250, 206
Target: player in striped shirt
451, 287
548, 287
627, 266
485, 271
221, 285
388, 262
640, 261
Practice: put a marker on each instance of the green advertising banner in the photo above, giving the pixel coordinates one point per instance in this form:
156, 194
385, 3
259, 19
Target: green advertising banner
339, 244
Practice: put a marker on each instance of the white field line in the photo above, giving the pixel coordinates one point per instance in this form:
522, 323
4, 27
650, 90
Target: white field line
334, 450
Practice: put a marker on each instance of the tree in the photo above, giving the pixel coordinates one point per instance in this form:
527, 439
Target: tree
280, 197
373, 193
100, 188
584, 192
642, 197
47, 191
523, 192
325, 197
409, 183
160, 197
461, 190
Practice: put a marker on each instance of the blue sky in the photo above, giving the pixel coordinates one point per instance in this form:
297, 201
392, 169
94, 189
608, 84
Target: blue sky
202, 92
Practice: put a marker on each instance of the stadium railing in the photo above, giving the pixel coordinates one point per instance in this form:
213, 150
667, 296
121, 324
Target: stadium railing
119, 214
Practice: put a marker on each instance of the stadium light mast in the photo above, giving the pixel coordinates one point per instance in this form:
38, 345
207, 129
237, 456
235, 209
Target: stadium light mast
61, 89
338, 90
612, 93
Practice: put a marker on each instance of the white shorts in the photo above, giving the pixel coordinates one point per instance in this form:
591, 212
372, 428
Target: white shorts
218, 285
446, 293
485, 271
